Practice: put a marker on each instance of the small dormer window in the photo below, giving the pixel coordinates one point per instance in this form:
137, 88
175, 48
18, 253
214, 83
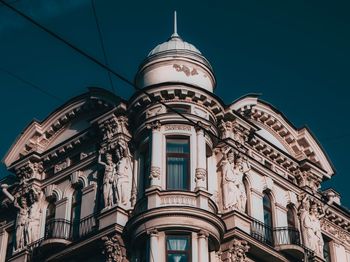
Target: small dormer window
178, 163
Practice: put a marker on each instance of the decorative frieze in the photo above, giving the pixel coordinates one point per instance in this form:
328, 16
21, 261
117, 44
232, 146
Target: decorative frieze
177, 127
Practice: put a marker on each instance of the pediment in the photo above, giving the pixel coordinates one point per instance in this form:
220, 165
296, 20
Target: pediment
278, 130
70, 119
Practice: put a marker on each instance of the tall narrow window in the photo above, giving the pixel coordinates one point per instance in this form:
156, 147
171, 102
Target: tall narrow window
75, 212
267, 219
50, 211
178, 248
178, 163
326, 250
293, 233
291, 218
144, 169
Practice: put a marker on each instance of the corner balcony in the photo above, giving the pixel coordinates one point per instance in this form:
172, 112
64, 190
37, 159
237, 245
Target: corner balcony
62, 232
284, 239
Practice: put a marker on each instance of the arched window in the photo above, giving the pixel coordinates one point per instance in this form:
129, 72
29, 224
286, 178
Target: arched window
76, 211
268, 223
247, 192
267, 210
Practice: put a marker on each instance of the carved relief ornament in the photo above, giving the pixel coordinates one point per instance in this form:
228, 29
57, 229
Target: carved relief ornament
237, 251
112, 249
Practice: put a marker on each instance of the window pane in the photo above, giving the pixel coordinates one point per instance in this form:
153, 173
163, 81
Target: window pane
177, 173
177, 243
177, 145
177, 258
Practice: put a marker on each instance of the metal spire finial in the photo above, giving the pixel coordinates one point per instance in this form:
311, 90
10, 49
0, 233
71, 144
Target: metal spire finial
175, 26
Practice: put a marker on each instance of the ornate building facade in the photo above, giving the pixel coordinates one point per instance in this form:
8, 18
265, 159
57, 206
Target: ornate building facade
172, 174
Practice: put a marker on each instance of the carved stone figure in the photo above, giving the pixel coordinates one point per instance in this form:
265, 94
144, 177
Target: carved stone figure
124, 173
109, 181
310, 222
22, 233
112, 249
234, 195
226, 129
34, 215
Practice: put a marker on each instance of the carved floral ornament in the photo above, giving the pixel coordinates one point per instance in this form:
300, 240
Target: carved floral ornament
112, 249
113, 126
237, 251
307, 179
231, 129
30, 170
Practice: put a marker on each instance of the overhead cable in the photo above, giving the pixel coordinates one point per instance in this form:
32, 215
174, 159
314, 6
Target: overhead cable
121, 77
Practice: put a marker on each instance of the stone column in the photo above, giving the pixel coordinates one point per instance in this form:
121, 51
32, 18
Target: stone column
153, 242
3, 244
203, 252
201, 167
156, 157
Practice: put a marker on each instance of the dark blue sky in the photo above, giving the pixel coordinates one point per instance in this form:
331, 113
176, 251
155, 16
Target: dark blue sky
296, 53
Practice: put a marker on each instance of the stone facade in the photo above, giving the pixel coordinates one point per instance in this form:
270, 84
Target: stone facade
105, 179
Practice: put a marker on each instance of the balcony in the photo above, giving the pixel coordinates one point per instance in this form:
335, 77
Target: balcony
284, 239
61, 232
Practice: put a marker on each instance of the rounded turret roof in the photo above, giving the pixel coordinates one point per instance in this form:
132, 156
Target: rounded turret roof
174, 43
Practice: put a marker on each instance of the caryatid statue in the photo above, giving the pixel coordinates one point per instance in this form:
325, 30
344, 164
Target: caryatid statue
20, 202
310, 222
34, 215
109, 181
124, 173
234, 195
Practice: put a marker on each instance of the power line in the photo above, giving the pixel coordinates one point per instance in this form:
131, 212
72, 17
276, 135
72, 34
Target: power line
102, 43
121, 77
31, 84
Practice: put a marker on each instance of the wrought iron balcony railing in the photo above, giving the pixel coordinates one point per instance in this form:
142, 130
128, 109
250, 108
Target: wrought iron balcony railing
262, 232
72, 231
275, 236
286, 236
58, 228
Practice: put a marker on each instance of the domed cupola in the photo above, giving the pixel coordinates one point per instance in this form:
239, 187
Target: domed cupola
176, 61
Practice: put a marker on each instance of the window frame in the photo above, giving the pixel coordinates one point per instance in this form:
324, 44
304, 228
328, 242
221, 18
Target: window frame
186, 156
188, 252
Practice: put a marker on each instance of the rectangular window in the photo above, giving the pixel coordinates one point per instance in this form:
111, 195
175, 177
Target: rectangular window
178, 163
178, 248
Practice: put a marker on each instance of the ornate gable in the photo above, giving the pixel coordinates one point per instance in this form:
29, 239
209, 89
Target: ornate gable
67, 121
275, 127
